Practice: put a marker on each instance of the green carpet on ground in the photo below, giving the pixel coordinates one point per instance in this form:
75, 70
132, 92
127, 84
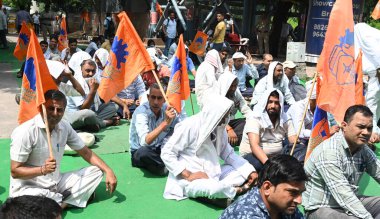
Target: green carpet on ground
138, 194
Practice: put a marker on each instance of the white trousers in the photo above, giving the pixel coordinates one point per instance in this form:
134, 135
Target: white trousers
211, 188
74, 188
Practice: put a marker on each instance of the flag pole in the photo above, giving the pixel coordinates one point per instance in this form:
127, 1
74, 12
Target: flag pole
304, 114
192, 106
159, 84
47, 131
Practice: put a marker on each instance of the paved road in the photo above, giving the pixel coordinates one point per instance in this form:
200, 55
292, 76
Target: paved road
8, 106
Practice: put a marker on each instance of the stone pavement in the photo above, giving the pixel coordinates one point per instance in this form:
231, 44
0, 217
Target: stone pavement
8, 106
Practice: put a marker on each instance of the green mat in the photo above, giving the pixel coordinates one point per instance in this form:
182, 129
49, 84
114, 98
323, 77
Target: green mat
138, 194
113, 139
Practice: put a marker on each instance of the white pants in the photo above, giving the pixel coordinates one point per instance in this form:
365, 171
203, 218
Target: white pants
211, 188
76, 185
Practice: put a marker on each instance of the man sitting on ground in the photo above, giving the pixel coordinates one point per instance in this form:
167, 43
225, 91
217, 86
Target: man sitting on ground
228, 84
88, 112
277, 194
243, 71
67, 53
152, 123
263, 67
193, 153
274, 79
295, 87
335, 168
34, 172
264, 134
133, 94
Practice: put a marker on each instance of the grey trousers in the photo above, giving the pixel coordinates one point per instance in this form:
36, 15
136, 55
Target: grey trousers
85, 117
372, 204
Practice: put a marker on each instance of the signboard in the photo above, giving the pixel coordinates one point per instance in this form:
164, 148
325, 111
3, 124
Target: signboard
317, 22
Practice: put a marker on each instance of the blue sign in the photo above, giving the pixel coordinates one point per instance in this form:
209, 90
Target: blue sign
317, 22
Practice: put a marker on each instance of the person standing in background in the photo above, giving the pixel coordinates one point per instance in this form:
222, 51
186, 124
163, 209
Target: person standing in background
22, 16
36, 22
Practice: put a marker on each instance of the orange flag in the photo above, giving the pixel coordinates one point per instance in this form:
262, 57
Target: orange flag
198, 46
128, 58
178, 87
359, 87
376, 11
22, 42
62, 37
159, 9
336, 62
35, 82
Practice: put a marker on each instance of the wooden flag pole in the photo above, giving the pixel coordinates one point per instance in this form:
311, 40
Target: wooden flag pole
159, 84
304, 114
191, 101
47, 131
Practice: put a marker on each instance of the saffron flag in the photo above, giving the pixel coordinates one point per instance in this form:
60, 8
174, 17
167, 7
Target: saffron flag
159, 9
198, 46
359, 86
62, 37
35, 82
22, 42
128, 58
376, 11
178, 87
336, 62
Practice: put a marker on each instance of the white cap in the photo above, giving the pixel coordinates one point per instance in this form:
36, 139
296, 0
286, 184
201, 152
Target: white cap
309, 84
239, 55
289, 64
55, 68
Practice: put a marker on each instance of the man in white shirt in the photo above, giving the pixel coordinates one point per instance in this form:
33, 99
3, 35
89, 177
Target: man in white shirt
263, 135
34, 172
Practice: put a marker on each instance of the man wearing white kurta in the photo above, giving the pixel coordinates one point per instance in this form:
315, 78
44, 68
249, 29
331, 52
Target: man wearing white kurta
34, 172
274, 79
192, 156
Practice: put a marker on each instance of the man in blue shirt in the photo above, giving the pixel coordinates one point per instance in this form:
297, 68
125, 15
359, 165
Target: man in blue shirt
243, 68
152, 123
170, 30
278, 192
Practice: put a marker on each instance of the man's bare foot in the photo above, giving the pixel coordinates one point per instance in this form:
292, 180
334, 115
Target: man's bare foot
115, 121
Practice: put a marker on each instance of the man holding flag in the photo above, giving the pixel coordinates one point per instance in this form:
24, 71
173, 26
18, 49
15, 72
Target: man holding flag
38, 144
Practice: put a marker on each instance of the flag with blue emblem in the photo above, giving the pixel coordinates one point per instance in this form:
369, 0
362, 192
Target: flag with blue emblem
178, 87
128, 58
35, 82
198, 46
62, 37
22, 42
336, 64
338, 81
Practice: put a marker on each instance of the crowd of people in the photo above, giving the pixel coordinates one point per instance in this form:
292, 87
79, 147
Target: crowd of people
196, 152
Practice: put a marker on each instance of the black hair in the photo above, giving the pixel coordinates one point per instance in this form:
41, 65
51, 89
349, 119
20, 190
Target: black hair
220, 12
55, 95
156, 86
89, 62
43, 42
73, 40
54, 36
350, 112
282, 168
225, 49
274, 94
150, 41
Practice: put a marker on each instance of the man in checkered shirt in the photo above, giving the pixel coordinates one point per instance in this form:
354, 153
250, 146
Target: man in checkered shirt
335, 168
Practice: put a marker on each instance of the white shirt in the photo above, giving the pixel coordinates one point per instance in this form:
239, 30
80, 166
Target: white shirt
270, 138
171, 27
29, 145
295, 113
